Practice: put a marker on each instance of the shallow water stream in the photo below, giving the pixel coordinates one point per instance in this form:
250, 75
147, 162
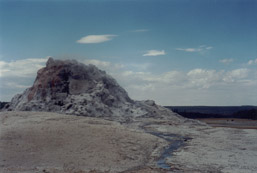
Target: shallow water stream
175, 141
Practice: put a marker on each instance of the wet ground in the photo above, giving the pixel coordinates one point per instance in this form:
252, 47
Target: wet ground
175, 142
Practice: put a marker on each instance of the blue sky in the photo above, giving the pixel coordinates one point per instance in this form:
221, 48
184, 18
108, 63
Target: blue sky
177, 52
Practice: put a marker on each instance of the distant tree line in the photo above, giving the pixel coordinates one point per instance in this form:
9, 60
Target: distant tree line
246, 114
242, 112
194, 115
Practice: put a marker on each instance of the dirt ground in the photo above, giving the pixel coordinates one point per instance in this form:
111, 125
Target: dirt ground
40, 142
49, 142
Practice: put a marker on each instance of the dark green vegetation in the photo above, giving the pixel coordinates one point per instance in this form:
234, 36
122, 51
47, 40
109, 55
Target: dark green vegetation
242, 112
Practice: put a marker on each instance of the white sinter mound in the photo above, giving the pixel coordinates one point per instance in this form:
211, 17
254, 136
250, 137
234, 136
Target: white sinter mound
70, 87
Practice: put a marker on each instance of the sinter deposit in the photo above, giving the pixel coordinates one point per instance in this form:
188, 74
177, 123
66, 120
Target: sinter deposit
74, 88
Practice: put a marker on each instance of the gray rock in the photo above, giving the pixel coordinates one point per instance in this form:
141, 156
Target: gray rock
66, 86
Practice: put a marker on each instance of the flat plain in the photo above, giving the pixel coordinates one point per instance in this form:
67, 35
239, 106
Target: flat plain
33, 142
231, 123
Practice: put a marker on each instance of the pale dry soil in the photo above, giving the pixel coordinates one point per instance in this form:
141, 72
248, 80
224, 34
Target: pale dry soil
32, 142
55, 143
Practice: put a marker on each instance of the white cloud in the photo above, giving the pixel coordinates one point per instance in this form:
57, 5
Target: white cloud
21, 68
196, 86
3, 68
154, 53
104, 65
140, 30
226, 61
144, 87
170, 77
15, 85
236, 75
192, 87
97, 62
202, 78
140, 66
189, 49
209, 47
201, 48
95, 39
252, 62
239, 73
17, 75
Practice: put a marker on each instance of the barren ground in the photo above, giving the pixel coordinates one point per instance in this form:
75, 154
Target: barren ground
50, 142
34, 142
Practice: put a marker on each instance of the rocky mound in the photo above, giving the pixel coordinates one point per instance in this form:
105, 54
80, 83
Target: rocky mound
69, 87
